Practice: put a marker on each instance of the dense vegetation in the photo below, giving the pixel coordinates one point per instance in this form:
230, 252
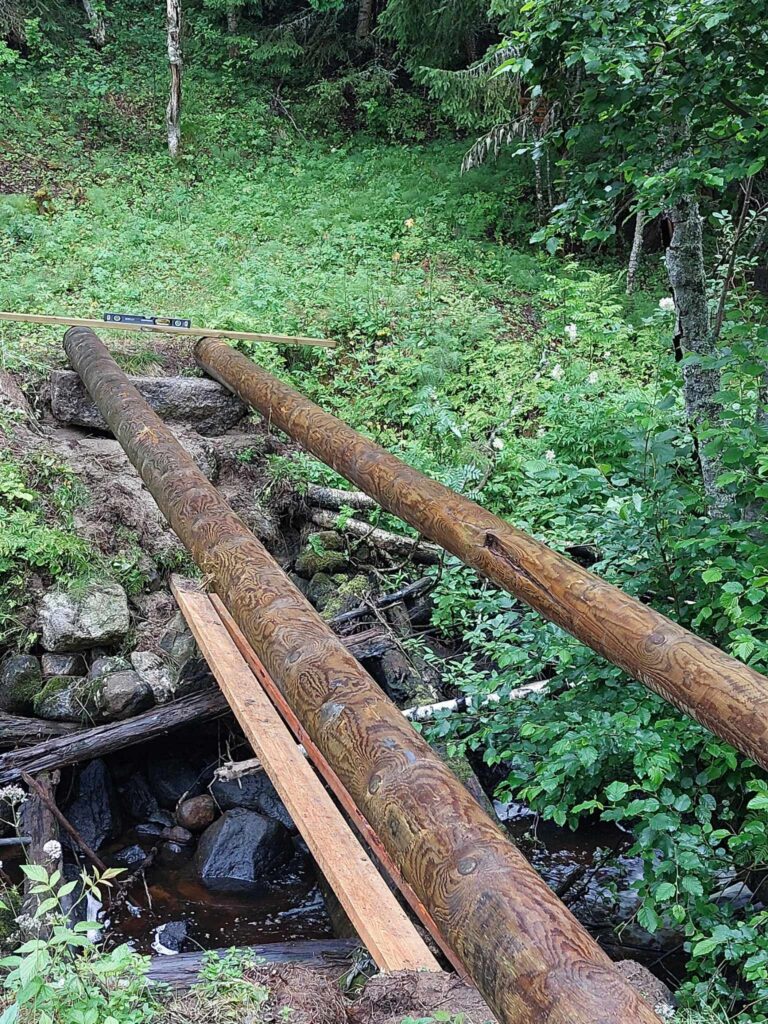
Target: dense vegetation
485, 332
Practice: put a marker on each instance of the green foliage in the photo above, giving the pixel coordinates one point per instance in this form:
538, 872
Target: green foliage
63, 977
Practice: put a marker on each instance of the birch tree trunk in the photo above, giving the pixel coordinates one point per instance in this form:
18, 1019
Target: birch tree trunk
637, 251
173, 112
364, 18
694, 335
96, 24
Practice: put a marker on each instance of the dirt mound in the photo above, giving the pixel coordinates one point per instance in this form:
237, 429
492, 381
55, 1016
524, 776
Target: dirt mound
388, 998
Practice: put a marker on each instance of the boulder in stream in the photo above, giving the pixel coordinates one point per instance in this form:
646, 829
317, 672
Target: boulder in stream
93, 808
240, 850
197, 813
75, 621
254, 792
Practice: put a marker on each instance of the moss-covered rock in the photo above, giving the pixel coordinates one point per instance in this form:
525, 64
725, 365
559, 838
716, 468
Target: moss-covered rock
323, 552
21, 678
321, 589
68, 699
350, 592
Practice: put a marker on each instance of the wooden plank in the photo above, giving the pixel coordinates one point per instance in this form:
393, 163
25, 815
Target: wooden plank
334, 783
198, 332
380, 921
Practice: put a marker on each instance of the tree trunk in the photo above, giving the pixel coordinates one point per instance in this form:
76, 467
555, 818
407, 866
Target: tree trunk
96, 23
233, 23
173, 112
637, 251
693, 333
364, 18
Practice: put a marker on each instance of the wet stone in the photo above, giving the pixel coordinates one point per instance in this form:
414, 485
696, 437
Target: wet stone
20, 680
63, 665
240, 851
197, 813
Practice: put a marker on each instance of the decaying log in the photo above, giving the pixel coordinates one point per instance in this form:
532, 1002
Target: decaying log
334, 499
723, 694
417, 550
413, 590
43, 848
104, 739
49, 801
181, 972
17, 731
527, 954
233, 770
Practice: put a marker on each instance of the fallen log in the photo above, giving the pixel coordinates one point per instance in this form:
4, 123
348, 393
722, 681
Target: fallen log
334, 499
182, 971
721, 693
527, 954
417, 549
17, 731
385, 601
426, 712
104, 739
43, 849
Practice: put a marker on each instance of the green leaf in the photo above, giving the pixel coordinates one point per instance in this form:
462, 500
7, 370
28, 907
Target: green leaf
616, 791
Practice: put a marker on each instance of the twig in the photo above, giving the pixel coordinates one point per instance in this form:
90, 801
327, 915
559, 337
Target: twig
65, 824
720, 315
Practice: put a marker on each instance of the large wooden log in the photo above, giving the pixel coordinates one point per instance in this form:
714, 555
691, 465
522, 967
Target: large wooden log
18, 731
527, 954
104, 739
726, 696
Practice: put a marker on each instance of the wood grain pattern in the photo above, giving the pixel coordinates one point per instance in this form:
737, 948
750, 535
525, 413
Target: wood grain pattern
527, 954
333, 782
726, 696
381, 923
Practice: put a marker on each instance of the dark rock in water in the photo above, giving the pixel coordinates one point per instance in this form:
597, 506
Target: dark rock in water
254, 792
139, 800
170, 937
75, 621
196, 400
63, 665
130, 857
172, 777
174, 853
20, 680
197, 813
177, 834
123, 695
93, 810
238, 852
152, 828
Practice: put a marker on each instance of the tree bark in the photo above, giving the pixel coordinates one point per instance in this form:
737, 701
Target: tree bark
417, 550
17, 731
637, 251
97, 24
364, 19
335, 498
233, 23
694, 334
173, 111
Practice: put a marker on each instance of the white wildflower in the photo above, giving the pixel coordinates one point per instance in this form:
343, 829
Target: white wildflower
549, 455
571, 330
592, 378
497, 443
558, 372
540, 432
13, 794
667, 304
52, 849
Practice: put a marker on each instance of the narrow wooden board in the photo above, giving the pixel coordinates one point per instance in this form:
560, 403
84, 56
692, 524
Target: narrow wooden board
378, 918
199, 332
335, 784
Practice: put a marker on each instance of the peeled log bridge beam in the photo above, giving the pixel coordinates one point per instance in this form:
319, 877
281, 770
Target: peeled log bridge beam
527, 954
726, 696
